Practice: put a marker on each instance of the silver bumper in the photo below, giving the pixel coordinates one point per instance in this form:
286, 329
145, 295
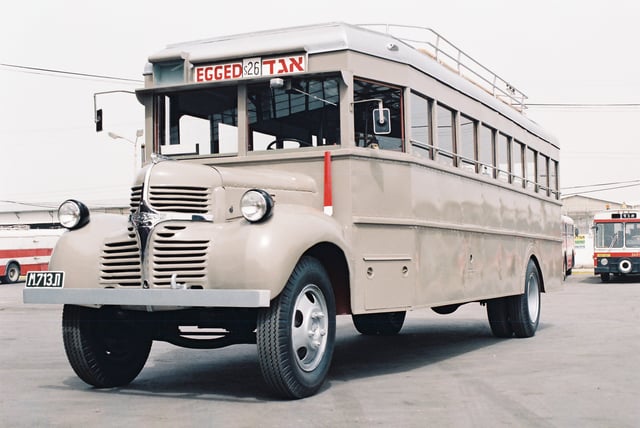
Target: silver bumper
142, 297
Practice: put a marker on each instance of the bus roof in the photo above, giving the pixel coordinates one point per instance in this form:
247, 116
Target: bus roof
338, 36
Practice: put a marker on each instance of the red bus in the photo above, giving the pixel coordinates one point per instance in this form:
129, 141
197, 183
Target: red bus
616, 247
23, 250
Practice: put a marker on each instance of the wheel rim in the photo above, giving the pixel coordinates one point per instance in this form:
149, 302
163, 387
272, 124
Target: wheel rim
309, 328
13, 274
533, 297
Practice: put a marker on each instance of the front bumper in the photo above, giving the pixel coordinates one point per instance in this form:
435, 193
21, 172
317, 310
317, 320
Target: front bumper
149, 298
618, 265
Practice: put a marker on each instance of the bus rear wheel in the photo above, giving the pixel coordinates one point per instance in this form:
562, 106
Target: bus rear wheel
524, 309
519, 314
498, 314
104, 350
296, 334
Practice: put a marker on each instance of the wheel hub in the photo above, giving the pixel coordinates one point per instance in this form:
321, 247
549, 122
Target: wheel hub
309, 328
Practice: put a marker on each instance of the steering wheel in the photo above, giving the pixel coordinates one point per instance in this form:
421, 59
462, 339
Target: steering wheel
280, 141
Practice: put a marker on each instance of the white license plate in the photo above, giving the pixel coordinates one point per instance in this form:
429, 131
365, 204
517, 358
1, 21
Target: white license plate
45, 279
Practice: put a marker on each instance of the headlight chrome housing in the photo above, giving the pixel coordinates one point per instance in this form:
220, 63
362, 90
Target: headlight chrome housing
256, 205
604, 261
73, 214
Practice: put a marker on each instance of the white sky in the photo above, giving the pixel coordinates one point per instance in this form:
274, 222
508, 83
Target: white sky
555, 51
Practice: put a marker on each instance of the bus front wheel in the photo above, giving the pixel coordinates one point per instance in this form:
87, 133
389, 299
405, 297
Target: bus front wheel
296, 334
104, 350
12, 274
605, 277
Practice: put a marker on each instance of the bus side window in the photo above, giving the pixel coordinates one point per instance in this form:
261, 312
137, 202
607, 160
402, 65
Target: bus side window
421, 126
365, 96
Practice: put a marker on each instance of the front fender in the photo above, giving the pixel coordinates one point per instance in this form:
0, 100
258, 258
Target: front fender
77, 252
263, 255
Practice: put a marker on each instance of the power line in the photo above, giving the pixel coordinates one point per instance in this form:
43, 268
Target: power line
582, 106
614, 183
27, 69
600, 190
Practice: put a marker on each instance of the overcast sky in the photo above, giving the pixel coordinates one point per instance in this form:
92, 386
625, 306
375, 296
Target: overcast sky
568, 51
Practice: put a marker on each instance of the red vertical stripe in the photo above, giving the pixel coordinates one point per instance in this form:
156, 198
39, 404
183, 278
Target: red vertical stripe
328, 195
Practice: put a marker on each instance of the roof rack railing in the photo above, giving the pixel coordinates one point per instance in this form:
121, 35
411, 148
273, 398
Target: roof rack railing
449, 55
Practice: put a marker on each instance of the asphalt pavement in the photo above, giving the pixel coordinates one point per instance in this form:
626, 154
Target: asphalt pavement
581, 369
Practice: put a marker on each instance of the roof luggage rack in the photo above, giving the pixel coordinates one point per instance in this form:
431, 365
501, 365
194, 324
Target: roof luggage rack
449, 55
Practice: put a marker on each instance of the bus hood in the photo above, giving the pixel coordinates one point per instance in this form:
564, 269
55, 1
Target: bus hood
208, 192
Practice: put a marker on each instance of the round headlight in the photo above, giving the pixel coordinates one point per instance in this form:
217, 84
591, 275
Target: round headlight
256, 205
604, 262
73, 214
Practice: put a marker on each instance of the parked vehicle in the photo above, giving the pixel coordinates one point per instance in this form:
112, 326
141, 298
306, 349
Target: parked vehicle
23, 250
616, 246
304, 173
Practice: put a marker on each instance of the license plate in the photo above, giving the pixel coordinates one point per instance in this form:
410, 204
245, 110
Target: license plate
46, 279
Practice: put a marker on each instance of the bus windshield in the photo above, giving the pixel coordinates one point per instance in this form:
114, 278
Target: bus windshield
618, 235
293, 114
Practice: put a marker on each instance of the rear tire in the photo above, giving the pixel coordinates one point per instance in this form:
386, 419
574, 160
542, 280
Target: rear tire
382, 324
524, 309
103, 350
498, 314
296, 334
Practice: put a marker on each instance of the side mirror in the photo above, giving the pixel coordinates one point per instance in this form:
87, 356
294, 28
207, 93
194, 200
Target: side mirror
98, 120
381, 121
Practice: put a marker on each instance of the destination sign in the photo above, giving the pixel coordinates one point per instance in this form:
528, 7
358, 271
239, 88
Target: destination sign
624, 215
248, 68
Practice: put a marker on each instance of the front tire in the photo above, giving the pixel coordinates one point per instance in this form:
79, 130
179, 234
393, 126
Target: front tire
103, 349
605, 277
296, 334
382, 324
12, 275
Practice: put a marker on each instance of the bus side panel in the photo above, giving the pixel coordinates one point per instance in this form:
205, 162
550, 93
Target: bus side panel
469, 239
386, 266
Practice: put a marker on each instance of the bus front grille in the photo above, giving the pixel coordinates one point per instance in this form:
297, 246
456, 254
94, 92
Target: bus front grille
136, 197
120, 263
185, 258
180, 199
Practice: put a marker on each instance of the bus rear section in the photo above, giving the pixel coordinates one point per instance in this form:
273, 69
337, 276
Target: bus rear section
24, 250
617, 244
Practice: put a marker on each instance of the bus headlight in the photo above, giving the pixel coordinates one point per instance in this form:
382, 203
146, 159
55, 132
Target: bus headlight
256, 205
73, 214
604, 261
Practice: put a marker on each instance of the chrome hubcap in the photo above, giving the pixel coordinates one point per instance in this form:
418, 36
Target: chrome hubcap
533, 297
309, 328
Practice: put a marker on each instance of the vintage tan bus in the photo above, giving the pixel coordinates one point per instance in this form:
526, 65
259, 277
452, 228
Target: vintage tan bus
303, 173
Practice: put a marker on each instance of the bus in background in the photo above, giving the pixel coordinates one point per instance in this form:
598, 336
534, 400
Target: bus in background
23, 250
568, 245
616, 245
301, 174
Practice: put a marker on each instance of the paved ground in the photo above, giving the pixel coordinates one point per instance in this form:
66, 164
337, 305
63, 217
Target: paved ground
581, 369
